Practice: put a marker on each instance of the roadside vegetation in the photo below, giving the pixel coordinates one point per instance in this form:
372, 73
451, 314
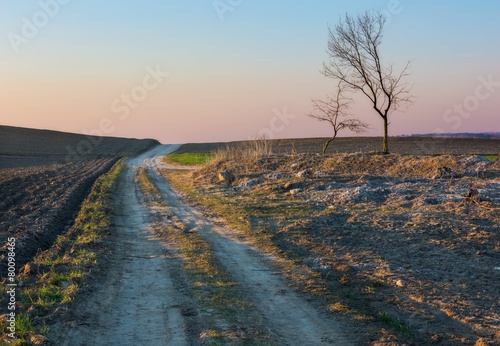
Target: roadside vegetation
491, 158
188, 159
39, 203
396, 244
228, 318
48, 285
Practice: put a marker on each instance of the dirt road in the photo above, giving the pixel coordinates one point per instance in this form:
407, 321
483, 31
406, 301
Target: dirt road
142, 302
137, 304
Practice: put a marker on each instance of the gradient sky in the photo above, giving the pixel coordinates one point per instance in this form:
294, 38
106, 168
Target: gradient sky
250, 67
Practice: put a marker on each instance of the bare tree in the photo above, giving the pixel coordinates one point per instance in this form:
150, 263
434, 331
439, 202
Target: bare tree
354, 51
335, 111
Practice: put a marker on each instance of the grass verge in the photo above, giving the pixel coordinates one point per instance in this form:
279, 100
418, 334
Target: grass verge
48, 285
491, 158
188, 159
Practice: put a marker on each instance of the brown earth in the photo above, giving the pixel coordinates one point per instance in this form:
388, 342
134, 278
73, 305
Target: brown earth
397, 145
21, 147
42, 185
405, 257
397, 243
39, 203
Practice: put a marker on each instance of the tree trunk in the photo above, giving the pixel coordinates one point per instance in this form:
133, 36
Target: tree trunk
385, 148
327, 144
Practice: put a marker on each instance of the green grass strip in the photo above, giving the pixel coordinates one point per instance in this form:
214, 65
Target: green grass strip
491, 158
188, 159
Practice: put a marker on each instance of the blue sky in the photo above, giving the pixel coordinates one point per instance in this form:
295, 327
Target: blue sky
233, 74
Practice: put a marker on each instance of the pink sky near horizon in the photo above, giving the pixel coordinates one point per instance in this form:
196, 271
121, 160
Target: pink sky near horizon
252, 73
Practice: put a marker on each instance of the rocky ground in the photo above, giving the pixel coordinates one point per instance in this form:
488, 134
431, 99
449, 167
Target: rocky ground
408, 243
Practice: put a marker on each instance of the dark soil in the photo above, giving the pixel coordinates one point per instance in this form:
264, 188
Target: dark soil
20, 147
39, 203
44, 178
397, 145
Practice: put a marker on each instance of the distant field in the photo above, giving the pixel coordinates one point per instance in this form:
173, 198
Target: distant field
43, 183
397, 145
491, 158
20, 147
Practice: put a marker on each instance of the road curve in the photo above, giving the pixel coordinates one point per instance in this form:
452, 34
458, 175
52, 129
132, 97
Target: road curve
139, 303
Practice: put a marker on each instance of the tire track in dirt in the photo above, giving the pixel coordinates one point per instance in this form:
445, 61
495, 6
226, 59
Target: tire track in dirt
138, 302
291, 320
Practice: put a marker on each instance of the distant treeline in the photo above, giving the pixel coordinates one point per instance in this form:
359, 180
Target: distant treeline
487, 135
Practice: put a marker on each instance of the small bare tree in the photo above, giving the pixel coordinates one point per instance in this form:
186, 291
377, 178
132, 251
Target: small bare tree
354, 50
335, 111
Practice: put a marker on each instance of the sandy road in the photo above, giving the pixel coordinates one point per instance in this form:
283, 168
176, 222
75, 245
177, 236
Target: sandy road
287, 315
140, 302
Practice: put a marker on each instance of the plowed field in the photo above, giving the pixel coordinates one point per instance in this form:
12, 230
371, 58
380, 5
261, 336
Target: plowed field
39, 203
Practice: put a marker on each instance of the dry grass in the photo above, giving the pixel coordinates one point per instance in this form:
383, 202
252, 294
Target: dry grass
246, 151
377, 238
246, 161
388, 165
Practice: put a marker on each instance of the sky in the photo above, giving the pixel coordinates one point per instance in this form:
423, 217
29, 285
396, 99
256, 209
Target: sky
220, 70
